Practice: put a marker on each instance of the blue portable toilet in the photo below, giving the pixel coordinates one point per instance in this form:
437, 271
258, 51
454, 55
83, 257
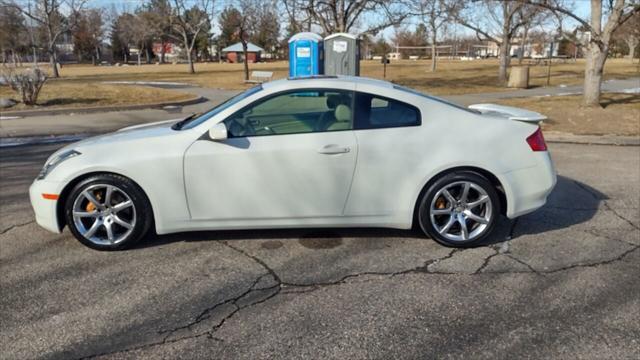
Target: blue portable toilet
305, 55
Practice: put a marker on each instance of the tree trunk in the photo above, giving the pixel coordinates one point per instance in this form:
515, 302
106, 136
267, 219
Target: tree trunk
147, 52
192, 70
52, 62
434, 58
162, 52
504, 61
35, 57
632, 43
246, 60
523, 45
595, 59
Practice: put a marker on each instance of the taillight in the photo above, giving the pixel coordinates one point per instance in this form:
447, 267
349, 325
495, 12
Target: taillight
536, 141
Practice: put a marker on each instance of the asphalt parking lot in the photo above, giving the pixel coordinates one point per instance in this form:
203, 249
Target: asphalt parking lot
563, 282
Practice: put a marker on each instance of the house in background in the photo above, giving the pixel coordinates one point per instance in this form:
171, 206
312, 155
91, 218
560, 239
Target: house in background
531, 49
235, 53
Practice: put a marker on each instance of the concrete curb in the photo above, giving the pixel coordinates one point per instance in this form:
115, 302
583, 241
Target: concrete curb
97, 109
568, 138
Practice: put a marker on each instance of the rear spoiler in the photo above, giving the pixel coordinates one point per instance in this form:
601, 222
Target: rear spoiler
509, 112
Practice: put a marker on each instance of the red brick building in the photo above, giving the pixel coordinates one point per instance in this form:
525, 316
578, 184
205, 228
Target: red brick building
235, 53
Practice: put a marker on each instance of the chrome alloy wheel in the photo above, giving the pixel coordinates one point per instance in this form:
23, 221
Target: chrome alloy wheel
104, 214
461, 211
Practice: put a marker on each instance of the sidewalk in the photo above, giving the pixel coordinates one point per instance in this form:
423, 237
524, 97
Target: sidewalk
614, 85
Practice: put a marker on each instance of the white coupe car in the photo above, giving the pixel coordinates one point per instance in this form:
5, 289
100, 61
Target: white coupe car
311, 152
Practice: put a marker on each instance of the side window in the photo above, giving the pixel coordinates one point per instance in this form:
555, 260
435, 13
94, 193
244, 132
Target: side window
375, 112
294, 112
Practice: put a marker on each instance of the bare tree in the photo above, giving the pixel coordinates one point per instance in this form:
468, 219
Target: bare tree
88, 34
187, 23
244, 23
49, 14
497, 21
629, 32
124, 34
433, 13
158, 13
144, 31
12, 31
598, 39
267, 28
344, 15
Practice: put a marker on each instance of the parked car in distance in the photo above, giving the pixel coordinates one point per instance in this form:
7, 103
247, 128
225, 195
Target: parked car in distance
307, 152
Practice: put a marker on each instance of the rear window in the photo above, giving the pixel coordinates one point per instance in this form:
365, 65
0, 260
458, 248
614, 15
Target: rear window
376, 112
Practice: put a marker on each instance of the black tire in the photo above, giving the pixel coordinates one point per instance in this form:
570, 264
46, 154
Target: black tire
424, 216
141, 210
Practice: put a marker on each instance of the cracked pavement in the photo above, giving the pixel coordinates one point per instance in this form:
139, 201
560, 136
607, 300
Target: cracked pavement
562, 282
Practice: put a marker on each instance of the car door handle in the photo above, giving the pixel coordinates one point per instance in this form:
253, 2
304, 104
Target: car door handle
333, 149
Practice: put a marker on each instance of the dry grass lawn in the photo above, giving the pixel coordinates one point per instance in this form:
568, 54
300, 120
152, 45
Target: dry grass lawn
62, 94
620, 114
82, 85
452, 77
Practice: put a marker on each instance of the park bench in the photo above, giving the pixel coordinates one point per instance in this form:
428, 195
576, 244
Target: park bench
258, 77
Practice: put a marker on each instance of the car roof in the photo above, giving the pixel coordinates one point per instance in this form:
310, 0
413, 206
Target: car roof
311, 80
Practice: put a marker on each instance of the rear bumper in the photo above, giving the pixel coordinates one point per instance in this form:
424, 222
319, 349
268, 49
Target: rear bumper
527, 189
45, 209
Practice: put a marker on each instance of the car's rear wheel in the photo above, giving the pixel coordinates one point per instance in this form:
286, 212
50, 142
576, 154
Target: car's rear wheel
459, 209
108, 212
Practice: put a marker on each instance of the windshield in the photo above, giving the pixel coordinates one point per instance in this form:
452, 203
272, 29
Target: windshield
198, 119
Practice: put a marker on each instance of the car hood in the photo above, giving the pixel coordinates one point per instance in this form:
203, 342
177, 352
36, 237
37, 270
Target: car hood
130, 133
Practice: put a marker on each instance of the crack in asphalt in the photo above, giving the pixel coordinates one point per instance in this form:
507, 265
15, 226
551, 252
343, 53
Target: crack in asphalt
150, 345
594, 264
207, 313
16, 226
605, 203
608, 207
486, 261
595, 232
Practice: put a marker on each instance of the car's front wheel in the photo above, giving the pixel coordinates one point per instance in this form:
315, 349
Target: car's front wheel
459, 209
108, 212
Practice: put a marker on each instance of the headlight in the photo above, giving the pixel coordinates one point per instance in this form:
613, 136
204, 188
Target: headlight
55, 161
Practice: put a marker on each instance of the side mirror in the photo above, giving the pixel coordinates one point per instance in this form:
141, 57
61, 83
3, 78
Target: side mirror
218, 132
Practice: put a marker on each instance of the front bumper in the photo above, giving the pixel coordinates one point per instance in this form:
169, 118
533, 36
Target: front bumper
527, 189
46, 209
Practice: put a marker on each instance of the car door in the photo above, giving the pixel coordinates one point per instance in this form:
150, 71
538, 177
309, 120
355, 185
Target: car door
391, 152
287, 156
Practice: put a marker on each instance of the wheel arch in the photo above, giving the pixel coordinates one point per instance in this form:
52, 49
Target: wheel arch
71, 184
473, 169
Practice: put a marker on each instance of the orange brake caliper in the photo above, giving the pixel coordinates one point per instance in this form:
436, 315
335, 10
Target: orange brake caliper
90, 207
